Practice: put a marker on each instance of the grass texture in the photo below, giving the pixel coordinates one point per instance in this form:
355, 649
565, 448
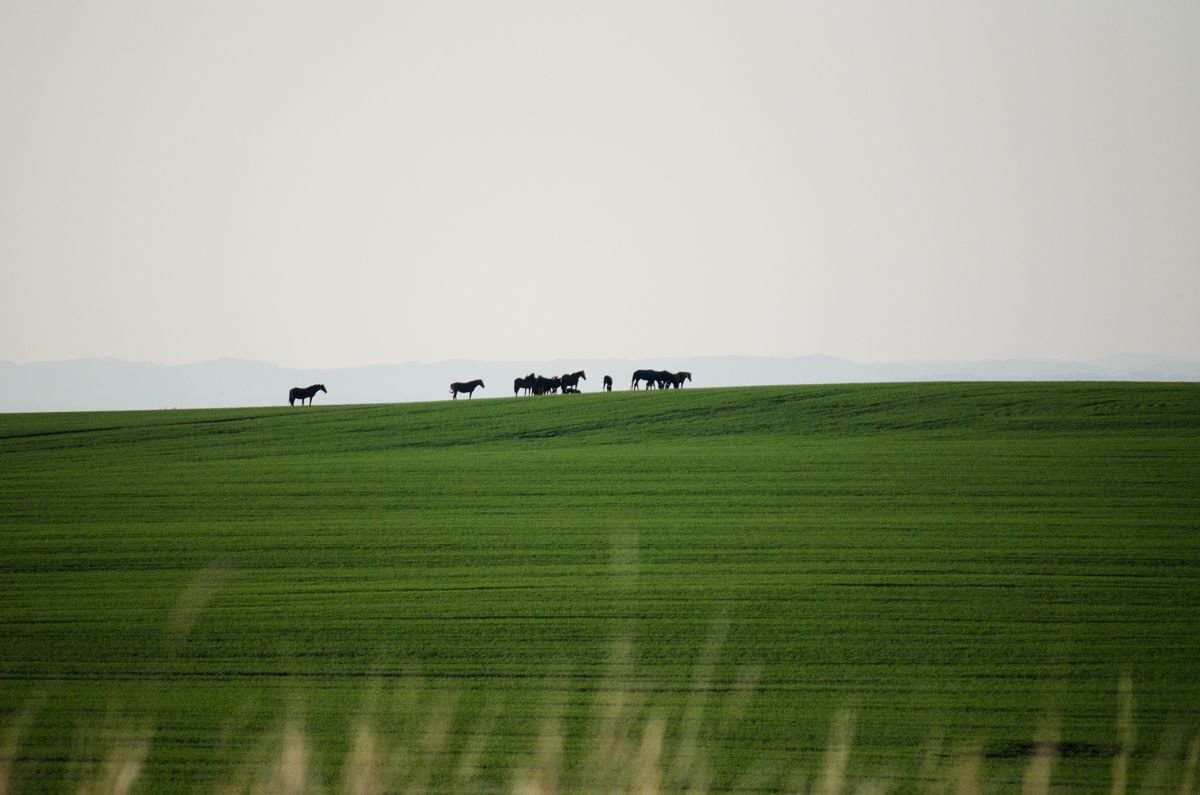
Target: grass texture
915, 587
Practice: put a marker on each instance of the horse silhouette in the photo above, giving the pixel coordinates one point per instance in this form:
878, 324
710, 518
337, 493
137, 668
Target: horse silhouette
304, 393
608, 383
642, 375
662, 378
528, 383
571, 380
677, 379
465, 386
546, 386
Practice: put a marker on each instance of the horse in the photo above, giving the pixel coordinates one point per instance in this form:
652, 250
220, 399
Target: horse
522, 383
304, 393
468, 387
642, 375
571, 380
545, 386
608, 383
677, 379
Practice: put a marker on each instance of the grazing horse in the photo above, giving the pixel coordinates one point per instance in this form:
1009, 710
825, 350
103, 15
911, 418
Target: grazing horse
304, 393
608, 383
468, 387
677, 379
642, 375
661, 378
571, 380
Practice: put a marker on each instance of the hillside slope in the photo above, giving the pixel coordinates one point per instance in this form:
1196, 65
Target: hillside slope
734, 567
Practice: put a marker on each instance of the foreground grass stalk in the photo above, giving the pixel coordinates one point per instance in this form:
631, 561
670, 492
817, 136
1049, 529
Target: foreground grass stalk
634, 768
1040, 768
837, 756
1125, 734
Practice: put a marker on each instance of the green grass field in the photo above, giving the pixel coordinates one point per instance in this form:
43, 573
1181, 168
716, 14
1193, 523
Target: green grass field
712, 588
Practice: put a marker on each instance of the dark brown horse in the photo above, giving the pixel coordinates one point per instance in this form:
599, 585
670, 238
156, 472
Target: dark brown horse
571, 380
546, 386
677, 379
468, 386
642, 375
608, 383
304, 393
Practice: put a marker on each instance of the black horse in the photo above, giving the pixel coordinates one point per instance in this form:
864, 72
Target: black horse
677, 379
571, 380
469, 387
642, 375
608, 383
304, 393
522, 383
662, 378
546, 386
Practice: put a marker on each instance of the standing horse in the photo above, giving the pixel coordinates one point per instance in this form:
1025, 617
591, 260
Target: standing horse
642, 375
677, 379
304, 393
546, 386
522, 383
469, 387
608, 383
571, 380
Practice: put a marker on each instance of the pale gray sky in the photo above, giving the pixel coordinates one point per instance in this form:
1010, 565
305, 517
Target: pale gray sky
336, 184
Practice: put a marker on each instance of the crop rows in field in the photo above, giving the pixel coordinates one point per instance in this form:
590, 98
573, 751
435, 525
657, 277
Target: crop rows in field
730, 571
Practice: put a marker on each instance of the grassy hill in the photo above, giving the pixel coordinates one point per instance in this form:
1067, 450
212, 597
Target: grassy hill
707, 589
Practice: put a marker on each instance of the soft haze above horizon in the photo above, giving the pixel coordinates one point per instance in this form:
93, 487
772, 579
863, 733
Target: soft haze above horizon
332, 185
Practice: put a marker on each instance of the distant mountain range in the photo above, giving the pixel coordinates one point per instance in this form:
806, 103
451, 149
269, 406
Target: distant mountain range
112, 384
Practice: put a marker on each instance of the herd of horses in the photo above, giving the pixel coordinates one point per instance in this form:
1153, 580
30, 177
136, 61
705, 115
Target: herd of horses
534, 384
541, 385
660, 378
569, 383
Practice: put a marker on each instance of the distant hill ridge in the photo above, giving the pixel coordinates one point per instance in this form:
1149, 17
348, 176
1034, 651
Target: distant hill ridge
113, 384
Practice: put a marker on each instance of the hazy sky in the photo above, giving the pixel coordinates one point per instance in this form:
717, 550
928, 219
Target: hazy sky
328, 184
